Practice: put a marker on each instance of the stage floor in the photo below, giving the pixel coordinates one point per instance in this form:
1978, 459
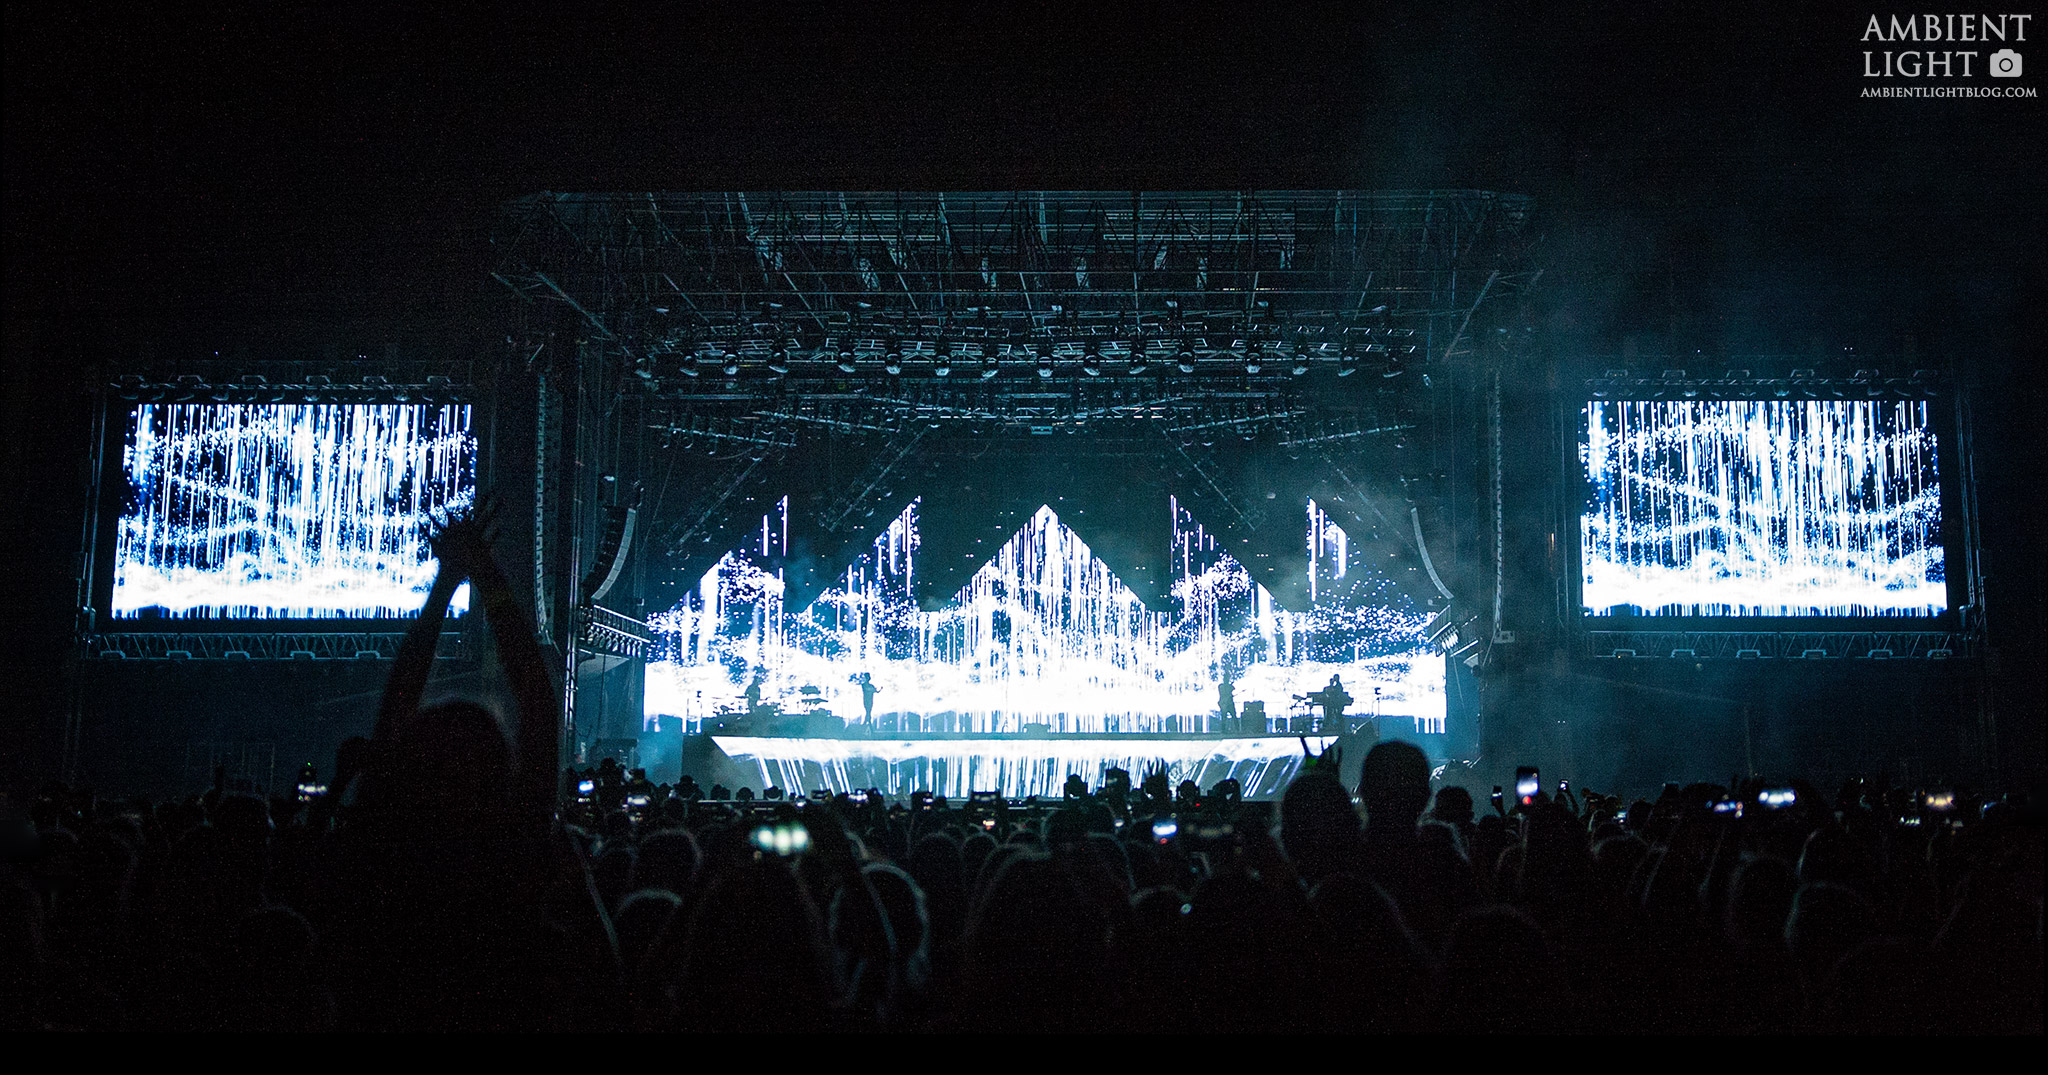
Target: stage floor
1016, 765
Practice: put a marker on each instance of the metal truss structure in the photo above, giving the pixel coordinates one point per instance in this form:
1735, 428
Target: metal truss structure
748, 317
364, 380
250, 645
1792, 645
710, 294
1767, 377
888, 329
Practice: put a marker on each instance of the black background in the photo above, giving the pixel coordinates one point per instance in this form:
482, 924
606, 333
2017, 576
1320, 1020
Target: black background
221, 175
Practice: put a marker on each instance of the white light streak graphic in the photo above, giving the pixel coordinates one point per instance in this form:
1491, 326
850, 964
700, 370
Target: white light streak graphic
1326, 543
255, 511
1015, 767
1043, 634
1763, 508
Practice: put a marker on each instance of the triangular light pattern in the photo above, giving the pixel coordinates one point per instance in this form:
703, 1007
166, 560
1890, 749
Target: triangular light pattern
1044, 634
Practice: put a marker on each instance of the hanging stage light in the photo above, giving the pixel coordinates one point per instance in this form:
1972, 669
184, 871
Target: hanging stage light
1252, 363
1300, 366
1347, 363
728, 361
846, 359
893, 361
1184, 359
778, 362
945, 364
1044, 362
1091, 362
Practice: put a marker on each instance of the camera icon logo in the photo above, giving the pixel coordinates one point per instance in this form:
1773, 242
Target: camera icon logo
2005, 63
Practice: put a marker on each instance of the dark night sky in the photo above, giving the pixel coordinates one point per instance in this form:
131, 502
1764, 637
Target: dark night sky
1709, 173
227, 158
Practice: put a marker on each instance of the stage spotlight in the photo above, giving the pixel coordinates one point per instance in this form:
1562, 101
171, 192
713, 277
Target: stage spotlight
945, 365
988, 371
1184, 359
894, 365
1251, 360
1347, 363
779, 361
731, 367
1138, 363
1300, 366
1091, 361
846, 360
1044, 363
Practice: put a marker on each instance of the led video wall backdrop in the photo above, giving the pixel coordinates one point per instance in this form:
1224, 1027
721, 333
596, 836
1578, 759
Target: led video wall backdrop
1045, 634
286, 511
1761, 508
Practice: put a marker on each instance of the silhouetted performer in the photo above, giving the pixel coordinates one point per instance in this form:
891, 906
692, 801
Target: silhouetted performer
867, 696
1333, 700
754, 691
1226, 700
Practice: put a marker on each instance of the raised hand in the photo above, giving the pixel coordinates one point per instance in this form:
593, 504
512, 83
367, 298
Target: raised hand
1156, 784
1330, 761
462, 540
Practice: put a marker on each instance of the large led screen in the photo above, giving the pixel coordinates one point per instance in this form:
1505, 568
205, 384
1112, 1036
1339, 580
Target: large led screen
286, 511
1761, 508
1045, 634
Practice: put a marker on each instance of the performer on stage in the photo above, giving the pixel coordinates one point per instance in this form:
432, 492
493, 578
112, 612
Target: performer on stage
868, 691
754, 691
1333, 700
1226, 699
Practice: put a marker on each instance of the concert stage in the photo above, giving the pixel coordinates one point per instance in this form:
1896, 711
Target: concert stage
1017, 765
940, 472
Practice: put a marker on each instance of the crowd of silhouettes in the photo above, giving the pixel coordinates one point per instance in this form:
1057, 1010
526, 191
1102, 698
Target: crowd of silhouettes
453, 876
